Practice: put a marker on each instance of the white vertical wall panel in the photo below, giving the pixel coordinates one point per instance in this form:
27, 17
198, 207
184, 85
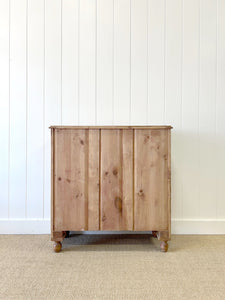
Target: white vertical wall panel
156, 61
70, 62
87, 55
190, 93
18, 109
207, 98
109, 62
173, 95
121, 61
139, 59
4, 106
105, 61
53, 92
220, 111
35, 93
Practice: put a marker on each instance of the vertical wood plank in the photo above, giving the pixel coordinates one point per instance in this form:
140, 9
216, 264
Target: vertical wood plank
139, 60
70, 62
121, 62
190, 89
116, 180
111, 180
52, 85
71, 201
93, 180
17, 152
207, 96
127, 179
76, 179
169, 181
150, 180
105, 20
220, 110
35, 122
4, 107
156, 61
87, 55
173, 95
52, 182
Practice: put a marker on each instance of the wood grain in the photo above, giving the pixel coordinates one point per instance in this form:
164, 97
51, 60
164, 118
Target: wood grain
116, 180
111, 180
52, 181
150, 180
113, 127
93, 180
76, 180
169, 182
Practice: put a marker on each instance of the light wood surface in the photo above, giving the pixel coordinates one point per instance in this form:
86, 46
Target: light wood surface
111, 179
52, 181
93, 180
113, 127
150, 180
116, 180
76, 180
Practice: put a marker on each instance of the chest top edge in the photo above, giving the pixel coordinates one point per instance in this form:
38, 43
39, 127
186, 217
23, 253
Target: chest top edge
168, 127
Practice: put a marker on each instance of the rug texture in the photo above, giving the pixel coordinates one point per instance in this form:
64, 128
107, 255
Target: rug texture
112, 267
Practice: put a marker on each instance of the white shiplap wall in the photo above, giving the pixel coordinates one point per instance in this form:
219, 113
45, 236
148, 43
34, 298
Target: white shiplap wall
113, 62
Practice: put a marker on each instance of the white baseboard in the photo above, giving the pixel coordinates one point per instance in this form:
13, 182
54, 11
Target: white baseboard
25, 226
179, 226
198, 226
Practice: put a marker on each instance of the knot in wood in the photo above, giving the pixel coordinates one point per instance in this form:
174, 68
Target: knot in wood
147, 138
115, 171
141, 193
118, 203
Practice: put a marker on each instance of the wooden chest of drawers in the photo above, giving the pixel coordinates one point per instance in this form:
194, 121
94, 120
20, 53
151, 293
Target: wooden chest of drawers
110, 179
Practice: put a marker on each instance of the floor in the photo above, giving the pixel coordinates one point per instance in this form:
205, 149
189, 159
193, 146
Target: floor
112, 267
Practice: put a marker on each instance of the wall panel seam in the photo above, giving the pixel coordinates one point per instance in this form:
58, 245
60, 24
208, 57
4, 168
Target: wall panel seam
43, 200
130, 70
96, 60
147, 65
78, 64
9, 136
26, 103
113, 62
216, 104
164, 65
61, 62
199, 53
181, 93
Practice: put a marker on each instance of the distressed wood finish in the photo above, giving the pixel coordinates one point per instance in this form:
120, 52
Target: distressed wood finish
93, 180
150, 180
111, 179
116, 180
76, 180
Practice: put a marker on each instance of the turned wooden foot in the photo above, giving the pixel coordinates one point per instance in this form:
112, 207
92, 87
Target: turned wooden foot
57, 246
164, 246
154, 234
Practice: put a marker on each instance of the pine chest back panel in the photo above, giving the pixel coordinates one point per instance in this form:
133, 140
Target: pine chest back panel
110, 179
